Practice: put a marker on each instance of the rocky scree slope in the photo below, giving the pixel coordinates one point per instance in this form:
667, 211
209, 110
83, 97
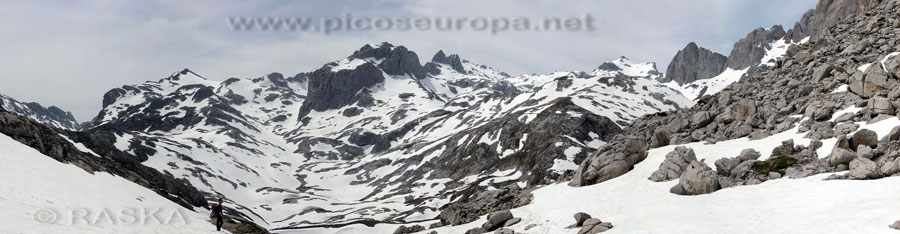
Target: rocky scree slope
802, 92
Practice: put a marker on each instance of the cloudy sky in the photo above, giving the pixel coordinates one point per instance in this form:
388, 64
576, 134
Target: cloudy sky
68, 53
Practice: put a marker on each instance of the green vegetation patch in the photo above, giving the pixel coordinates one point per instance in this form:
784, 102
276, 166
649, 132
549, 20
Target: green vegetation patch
773, 164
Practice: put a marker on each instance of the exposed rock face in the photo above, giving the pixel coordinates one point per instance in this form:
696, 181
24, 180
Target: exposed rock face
453, 60
751, 49
394, 60
330, 90
830, 12
802, 28
694, 63
51, 116
676, 162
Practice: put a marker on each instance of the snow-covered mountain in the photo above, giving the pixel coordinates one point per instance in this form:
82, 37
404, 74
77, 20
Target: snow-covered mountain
376, 135
378, 139
50, 116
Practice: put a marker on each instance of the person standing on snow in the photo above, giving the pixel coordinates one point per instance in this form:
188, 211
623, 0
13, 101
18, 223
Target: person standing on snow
217, 213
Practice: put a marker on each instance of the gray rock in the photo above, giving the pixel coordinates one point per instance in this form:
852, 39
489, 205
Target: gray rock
496, 220
512, 221
694, 63
881, 105
751, 49
896, 225
411, 229
701, 119
698, 179
864, 152
862, 168
840, 156
594, 226
674, 164
894, 135
845, 128
660, 138
890, 168
580, 217
476, 231
504, 231
786, 148
864, 137
749, 154
829, 13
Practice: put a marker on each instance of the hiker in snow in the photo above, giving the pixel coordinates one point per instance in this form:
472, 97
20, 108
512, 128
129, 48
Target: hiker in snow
217, 213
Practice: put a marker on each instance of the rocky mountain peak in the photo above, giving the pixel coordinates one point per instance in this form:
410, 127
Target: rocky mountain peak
694, 63
394, 60
802, 28
752, 48
453, 61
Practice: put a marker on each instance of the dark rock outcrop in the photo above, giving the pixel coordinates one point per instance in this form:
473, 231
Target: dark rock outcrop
453, 61
332, 90
802, 28
830, 12
694, 63
751, 49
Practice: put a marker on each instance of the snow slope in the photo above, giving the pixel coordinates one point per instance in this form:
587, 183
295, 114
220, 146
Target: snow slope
634, 204
34, 184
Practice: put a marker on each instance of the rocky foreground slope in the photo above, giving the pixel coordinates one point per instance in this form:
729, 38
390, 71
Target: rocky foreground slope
851, 65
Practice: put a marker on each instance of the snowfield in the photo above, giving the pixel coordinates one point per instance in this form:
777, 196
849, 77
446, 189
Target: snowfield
35, 187
634, 204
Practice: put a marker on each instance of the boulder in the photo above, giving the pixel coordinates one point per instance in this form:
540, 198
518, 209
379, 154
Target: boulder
496, 220
476, 231
896, 225
864, 137
881, 105
863, 168
786, 148
840, 156
894, 135
411, 229
845, 128
580, 217
701, 119
674, 165
698, 179
890, 168
512, 221
749, 154
660, 138
594, 226
504, 231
